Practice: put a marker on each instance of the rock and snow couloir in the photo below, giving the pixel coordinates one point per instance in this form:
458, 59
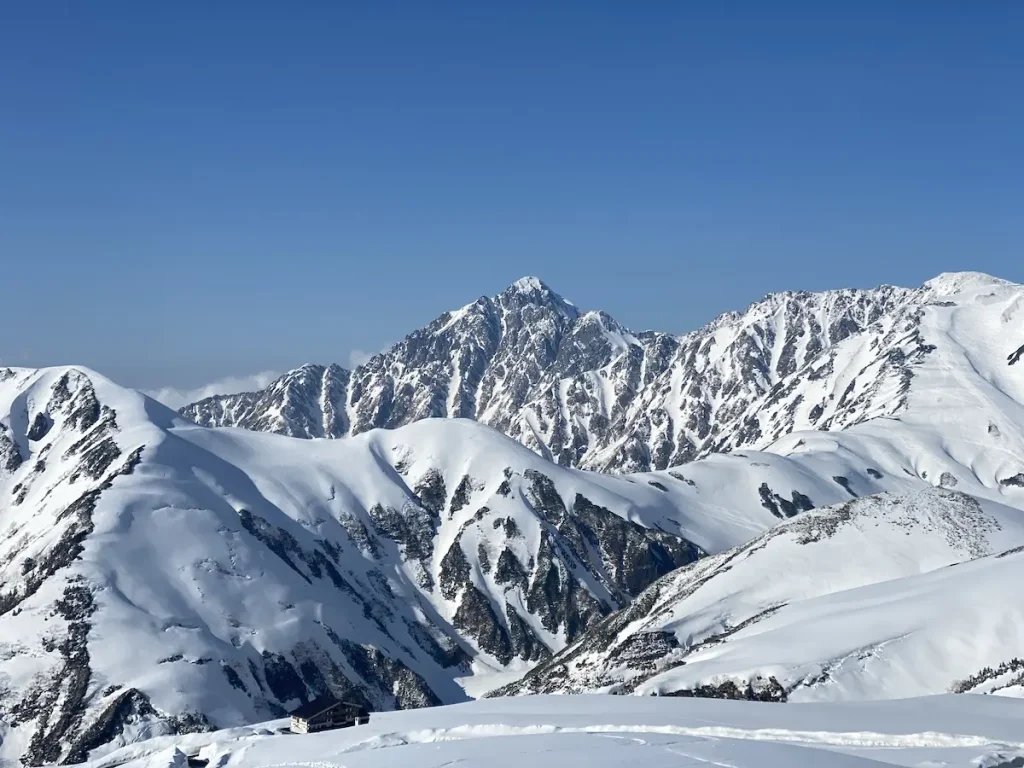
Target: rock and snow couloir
890, 596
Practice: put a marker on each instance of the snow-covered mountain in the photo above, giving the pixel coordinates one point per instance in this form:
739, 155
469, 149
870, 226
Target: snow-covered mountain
855, 601
156, 575
581, 389
248, 571
159, 576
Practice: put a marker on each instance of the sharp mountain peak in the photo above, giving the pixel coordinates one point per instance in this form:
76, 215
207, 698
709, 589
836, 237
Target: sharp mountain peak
581, 389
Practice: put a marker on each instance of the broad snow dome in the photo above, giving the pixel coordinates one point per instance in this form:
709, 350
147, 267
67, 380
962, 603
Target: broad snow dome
950, 283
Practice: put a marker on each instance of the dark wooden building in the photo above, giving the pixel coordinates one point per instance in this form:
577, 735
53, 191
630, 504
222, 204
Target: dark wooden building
327, 712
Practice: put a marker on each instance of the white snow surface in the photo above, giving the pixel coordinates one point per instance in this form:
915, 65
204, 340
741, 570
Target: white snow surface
598, 731
882, 597
895, 638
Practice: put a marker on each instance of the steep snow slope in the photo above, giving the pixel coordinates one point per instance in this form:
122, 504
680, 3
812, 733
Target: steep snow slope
249, 571
589, 731
583, 390
962, 416
155, 575
850, 602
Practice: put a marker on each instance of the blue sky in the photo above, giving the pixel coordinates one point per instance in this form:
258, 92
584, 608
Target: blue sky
195, 190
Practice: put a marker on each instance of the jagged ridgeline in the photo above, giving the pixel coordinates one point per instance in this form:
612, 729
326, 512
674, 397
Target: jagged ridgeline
586, 392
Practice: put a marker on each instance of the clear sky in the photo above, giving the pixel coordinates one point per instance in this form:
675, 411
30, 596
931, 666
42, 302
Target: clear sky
191, 190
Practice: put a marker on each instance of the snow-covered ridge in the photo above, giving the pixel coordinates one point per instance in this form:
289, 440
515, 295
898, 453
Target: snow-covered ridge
249, 571
851, 602
952, 283
586, 392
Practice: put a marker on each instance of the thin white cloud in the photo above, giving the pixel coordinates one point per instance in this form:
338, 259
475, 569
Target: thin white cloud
175, 398
358, 357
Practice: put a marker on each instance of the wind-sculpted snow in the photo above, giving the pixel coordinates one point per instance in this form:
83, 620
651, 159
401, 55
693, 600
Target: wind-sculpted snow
579, 388
604, 731
852, 601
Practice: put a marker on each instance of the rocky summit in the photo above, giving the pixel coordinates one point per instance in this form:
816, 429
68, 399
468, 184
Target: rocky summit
579, 388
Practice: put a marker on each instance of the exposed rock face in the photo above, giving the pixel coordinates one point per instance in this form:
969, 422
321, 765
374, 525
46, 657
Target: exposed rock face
783, 508
672, 639
1015, 480
590, 545
10, 455
583, 390
1015, 357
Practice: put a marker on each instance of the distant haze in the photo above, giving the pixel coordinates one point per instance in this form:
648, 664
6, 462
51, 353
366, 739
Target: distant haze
176, 398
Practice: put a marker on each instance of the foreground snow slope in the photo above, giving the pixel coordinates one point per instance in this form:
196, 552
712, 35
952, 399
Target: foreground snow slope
596, 731
882, 597
581, 389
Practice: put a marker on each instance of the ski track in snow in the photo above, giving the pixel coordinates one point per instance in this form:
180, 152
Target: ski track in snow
549, 744
969, 731
858, 739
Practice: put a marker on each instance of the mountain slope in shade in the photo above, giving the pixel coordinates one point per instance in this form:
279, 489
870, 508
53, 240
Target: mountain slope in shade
583, 390
856, 601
